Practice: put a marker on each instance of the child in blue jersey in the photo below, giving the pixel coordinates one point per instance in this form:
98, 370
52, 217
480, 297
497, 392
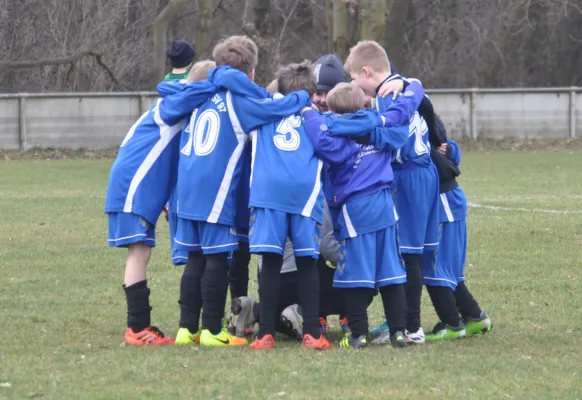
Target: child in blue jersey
444, 271
287, 201
415, 188
198, 72
208, 177
360, 177
140, 183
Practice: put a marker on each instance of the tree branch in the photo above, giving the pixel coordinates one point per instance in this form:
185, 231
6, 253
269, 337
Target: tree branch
63, 61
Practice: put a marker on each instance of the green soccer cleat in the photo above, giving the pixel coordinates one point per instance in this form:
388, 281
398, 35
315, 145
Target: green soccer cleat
478, 326
185, 337
221, 339
442, 331
348, 342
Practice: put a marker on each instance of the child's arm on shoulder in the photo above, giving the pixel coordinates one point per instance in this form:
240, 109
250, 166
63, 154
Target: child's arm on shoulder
401, 111
388, 139
175, 107
254, 113
331, 149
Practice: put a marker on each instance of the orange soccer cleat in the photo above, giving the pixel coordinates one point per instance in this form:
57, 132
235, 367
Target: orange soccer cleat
309, 342
150, 336
267, 342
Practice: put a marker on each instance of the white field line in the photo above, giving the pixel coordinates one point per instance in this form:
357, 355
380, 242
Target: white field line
519, 197
533, 210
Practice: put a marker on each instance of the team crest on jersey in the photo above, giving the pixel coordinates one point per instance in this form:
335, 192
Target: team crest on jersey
145, 224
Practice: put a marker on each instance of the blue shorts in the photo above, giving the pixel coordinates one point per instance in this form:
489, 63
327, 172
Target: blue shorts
126, 228
242, 234
204, 236
270, 229
416, 197
179, 257
371, 260
446, 266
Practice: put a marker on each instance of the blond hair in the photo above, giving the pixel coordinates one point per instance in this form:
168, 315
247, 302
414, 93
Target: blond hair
273, 87
296, 77
367, 53
345, 98
239, 52
200, 70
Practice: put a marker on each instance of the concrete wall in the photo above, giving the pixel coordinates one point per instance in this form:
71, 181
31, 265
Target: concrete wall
101, 120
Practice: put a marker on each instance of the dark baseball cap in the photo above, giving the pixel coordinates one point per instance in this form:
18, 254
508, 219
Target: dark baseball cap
329, 71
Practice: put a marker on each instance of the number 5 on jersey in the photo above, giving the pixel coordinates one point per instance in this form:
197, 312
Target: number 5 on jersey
287, 137
203, 133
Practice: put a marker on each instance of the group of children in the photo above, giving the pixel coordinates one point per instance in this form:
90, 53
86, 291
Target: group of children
343, 190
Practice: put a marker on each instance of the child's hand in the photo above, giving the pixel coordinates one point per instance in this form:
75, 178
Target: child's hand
395, 86
442, 149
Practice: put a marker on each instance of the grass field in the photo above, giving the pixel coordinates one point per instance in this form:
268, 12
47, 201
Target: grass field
62, 309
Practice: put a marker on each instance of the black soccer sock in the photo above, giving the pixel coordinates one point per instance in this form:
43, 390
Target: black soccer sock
467, 304
357, 310
308, 287
214, 288
331, 300
138, 306
191, 291
394, 301
239, 272
269, 286
413, 289
443, 300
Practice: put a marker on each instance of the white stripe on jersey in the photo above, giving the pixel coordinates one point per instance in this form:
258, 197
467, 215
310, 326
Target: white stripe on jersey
349, 226
241, 137
254, 139
167, 133
447, 207
315, 193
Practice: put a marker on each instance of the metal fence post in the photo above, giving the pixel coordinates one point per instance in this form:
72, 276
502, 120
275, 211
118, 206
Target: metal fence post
573, 112
22, 121
473, 105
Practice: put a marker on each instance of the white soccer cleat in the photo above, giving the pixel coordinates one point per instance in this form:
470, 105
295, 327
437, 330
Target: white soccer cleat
292, 319
415, 337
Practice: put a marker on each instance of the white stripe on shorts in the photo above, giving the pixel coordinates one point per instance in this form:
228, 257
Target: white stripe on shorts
351, 230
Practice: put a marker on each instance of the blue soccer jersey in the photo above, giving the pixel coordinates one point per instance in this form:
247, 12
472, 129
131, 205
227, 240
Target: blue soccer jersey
286, 174
211, 149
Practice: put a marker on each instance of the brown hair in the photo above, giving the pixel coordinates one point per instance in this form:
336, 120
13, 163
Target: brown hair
346, 98
297, 77
200, 70
273, 87
239, 52
367, 53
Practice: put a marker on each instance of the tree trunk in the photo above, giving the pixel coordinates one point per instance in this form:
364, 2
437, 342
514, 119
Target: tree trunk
160, 29
203, 32
340, 29
261, 9
373, 16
